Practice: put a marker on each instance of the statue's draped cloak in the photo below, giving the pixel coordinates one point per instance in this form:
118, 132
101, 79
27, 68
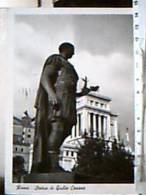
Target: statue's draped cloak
64, 80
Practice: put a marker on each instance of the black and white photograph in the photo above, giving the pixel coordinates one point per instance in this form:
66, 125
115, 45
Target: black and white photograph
67, 3
73, 100
92, 3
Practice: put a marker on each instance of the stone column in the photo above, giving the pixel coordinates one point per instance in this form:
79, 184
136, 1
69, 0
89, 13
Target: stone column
105, 127
116, 129
109, 134
89, 125
94, 126
73, 132
85, 125
99, 125
77, 127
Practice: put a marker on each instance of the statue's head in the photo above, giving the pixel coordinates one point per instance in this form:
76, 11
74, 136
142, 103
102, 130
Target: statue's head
67, 50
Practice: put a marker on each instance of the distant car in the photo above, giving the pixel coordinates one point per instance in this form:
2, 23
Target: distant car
93, 3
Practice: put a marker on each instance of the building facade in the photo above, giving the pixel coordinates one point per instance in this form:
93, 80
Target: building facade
23, 136
94, 119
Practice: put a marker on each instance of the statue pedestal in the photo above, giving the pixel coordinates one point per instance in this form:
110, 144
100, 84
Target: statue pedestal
58, 177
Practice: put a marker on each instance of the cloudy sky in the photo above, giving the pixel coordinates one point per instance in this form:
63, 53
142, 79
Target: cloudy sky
104, 53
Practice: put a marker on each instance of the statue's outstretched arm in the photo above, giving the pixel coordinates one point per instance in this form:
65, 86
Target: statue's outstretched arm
85, 90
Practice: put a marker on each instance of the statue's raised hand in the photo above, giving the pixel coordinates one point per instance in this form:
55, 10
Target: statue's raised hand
94, 88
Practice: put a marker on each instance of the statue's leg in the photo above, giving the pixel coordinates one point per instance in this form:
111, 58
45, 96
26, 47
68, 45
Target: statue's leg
56, 137
40, 153
60, 130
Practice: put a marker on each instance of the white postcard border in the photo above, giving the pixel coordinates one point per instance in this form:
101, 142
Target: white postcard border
46, 188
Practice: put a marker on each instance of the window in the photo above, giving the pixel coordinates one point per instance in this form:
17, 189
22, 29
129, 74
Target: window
29, 136
102, 105
22, 150
16, 149
67, 153
96, 103
78, 102
91, 102
72, 153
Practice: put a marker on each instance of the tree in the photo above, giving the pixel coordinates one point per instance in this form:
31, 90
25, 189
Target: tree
18, 168
104, 162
